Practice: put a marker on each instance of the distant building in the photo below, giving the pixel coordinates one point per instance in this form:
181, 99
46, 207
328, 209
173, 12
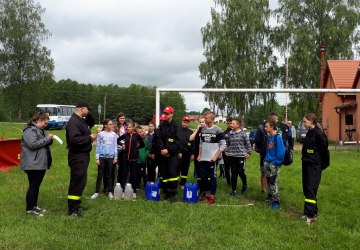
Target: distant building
340, 112
220, 119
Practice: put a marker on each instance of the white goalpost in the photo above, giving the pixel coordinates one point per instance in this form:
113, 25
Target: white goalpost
189, 90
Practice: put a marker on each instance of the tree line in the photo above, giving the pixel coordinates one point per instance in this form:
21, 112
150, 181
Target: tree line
241, 49
136, 101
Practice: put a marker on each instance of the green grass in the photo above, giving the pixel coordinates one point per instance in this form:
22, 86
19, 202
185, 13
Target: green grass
148, 225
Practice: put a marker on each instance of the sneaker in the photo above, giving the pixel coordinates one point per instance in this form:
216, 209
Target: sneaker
134, 195
233, 193
75, 213
275, 205
94, 196
211, 200
309, 220
123, 195
111, 196
304, 217
34, 213
243, 190
40, 210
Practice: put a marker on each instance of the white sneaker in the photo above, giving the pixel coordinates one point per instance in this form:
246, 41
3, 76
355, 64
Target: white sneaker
134, 195
94, 196
310, 221
111, 196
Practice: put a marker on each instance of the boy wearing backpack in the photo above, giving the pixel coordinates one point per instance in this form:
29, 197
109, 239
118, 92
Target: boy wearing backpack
275, 151
260, 147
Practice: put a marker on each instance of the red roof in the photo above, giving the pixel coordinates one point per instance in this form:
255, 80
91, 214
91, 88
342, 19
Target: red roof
357, 77
343, 72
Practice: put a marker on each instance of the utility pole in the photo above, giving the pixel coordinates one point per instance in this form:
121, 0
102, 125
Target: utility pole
287, 54
104, 106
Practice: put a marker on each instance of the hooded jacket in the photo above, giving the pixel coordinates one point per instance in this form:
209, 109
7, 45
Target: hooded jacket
35, 153
315, 152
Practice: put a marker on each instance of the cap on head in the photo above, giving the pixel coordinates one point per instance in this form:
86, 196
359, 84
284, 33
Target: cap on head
83, 104
168, 109
162, 117
186, 118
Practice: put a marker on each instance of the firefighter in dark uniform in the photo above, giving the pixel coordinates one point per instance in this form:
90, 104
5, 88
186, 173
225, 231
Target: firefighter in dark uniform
155, 154
188, 150
315, 158
79, 143
169, 145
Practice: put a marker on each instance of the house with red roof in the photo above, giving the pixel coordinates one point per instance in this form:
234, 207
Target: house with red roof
340, 112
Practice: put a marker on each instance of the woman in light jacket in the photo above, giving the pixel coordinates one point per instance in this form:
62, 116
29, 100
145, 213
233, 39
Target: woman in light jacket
35, 159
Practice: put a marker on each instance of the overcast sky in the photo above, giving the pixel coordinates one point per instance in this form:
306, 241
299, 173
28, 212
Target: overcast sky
149, 42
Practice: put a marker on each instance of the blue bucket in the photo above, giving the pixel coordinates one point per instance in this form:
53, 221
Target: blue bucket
152, 191
190, 192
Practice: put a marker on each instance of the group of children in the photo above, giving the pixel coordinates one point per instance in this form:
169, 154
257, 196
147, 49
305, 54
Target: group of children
121, 155
125, 152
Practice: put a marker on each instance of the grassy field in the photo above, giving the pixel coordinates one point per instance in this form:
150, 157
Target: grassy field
230, 224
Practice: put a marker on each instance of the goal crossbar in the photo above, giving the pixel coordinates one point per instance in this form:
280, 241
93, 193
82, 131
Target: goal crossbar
190, 90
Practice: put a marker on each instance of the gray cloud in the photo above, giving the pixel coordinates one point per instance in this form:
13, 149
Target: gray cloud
155, 42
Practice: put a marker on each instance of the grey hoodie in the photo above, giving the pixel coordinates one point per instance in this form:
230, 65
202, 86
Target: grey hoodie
35, 152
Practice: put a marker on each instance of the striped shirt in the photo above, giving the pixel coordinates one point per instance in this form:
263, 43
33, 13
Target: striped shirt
238, 144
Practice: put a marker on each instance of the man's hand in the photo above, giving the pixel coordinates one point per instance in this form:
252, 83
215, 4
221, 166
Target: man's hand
98, 162
214, 158
164, 152
93, 136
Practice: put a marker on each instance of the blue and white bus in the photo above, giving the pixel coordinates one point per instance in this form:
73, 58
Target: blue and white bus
59, 114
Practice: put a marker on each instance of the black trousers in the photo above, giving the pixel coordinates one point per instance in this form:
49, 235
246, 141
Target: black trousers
291, 143
184, 167
237, 166
35, 178
141, 174
121, 164
227, 168
130, 174
170, 174
151, 168
105, 173
208, 177
311, 176
79, 163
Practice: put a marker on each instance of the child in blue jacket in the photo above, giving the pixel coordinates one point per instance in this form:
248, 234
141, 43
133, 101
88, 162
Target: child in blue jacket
275, 151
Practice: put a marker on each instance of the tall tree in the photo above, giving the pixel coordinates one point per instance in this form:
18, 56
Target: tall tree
23, 60
238, 54
307, 25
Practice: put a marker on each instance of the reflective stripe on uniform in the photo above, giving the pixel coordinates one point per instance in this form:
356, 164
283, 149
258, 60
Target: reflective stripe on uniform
310, 201
184, 176
198, 179
171, 179
310, 151
74, 197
